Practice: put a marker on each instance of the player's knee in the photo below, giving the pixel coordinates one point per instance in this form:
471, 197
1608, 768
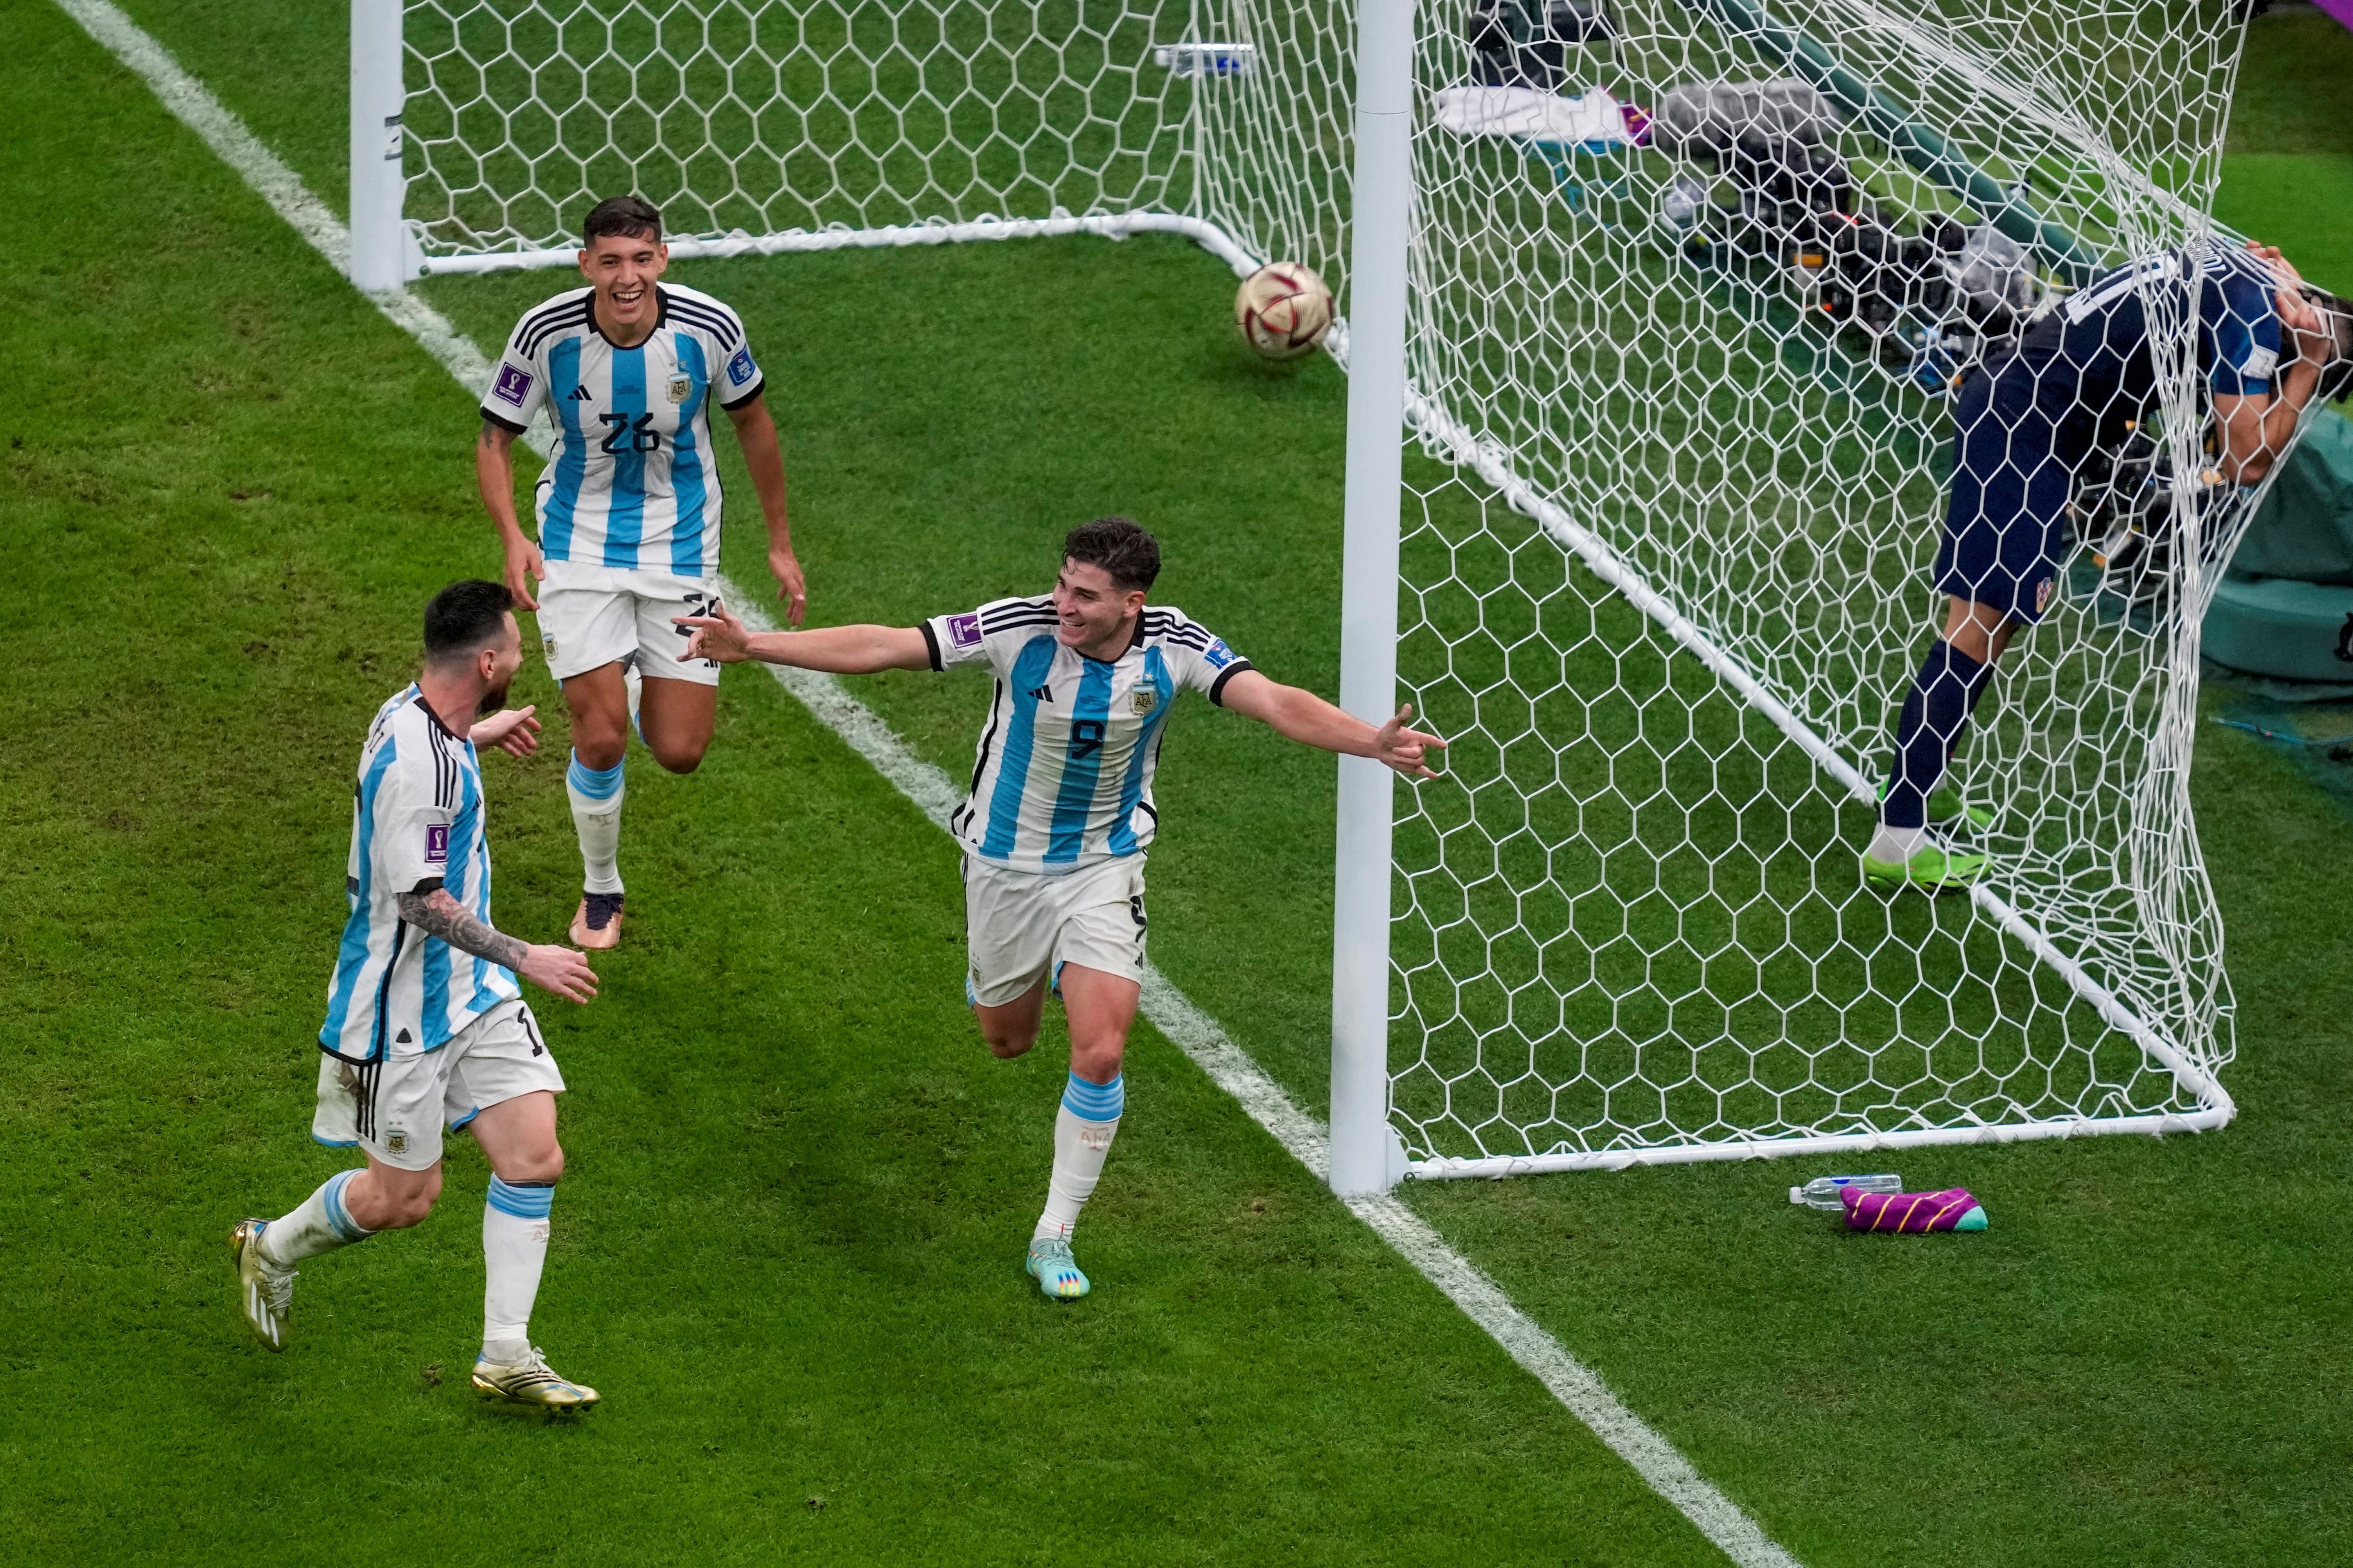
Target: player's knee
541, 1165
408, 1205
677, 759
1006, 1044
597, 744
1097, 1060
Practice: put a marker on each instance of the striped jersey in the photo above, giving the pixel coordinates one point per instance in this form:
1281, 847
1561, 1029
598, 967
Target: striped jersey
632, 482
1063, 775
416, 822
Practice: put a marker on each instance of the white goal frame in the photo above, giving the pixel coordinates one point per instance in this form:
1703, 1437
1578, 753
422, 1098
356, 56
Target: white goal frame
1366, 1153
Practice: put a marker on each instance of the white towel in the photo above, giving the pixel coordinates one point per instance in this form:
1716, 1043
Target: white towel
1525, 111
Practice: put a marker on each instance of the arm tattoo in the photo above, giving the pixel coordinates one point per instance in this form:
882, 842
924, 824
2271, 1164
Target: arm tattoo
490, 433
438, 914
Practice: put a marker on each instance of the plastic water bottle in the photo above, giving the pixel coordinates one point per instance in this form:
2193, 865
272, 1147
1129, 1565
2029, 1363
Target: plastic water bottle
1822, 1192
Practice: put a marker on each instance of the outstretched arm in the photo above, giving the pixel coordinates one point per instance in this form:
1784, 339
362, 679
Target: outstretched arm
756, 433
557, 970
841, 651
1306, 718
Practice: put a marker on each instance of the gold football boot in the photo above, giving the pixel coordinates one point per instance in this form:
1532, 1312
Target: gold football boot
532, 1381
265, 1292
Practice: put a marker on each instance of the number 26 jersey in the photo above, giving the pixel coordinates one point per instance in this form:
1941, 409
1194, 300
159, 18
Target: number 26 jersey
632, 483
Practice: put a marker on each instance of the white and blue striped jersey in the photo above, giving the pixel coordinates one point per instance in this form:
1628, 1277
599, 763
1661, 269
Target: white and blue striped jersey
416, 821
1063, 774
632, 482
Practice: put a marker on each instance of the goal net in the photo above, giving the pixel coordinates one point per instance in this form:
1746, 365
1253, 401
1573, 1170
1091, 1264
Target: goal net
1691, 283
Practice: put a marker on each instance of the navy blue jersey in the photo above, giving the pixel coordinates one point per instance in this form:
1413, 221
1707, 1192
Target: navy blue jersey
2024, 425
2085, 368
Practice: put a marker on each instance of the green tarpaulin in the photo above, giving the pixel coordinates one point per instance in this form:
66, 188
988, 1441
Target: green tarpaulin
2305, 530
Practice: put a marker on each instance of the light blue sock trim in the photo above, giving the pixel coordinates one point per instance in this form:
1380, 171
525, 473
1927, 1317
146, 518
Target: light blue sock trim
531, 1202
1095, 1101
338, 1216
596, 784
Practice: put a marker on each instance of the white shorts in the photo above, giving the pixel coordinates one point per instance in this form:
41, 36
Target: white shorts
396, 1108
590, 617
1018, 923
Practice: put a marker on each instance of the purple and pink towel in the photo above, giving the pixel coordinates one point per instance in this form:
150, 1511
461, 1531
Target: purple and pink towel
1952, 1209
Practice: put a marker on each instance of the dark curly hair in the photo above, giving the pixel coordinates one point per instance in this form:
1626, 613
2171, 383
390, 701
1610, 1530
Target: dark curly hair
1120, 546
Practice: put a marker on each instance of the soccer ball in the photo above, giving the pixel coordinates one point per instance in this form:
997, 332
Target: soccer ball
1283, 309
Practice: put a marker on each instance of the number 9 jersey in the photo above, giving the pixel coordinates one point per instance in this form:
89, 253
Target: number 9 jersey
632, 484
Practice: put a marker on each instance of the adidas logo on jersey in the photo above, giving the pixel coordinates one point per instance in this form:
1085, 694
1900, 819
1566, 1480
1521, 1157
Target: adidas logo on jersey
1041, 694
580, 395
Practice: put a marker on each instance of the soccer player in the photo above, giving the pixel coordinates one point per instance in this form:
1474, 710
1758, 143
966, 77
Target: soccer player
425, 1023
1061, 810
626, 369
2026, 424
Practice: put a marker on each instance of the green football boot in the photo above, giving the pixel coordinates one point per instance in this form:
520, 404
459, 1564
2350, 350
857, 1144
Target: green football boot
1933, 868
265, 1292
1947, 809
1056, 1271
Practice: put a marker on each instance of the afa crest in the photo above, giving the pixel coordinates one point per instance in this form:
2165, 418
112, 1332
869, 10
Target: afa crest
1145, 700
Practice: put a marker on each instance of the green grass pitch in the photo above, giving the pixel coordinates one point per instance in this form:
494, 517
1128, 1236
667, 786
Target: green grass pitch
789, 1245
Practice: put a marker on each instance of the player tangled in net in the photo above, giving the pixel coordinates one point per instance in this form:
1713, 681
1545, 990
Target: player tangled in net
2029, 426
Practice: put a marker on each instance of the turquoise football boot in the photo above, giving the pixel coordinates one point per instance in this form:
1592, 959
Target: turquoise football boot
1056, 1271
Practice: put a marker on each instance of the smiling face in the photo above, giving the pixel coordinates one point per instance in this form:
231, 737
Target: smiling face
623, 268
1093, 614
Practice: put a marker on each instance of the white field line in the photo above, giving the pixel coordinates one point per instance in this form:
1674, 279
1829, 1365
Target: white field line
1194, 1032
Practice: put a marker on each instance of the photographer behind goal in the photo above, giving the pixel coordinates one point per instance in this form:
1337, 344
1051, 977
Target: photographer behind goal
2026, 425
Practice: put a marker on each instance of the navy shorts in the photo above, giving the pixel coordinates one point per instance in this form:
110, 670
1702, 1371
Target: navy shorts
2006, 529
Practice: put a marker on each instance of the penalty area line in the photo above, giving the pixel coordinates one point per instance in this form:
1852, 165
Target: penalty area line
1578, 1389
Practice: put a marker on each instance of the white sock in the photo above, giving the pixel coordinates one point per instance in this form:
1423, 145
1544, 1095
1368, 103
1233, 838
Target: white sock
1083, 1130
514, 1250
596, 795
1894, 846
319, 1224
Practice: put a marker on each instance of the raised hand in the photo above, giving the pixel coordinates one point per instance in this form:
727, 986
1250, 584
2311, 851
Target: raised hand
721, 637
1404, 750
513, 732
559, 971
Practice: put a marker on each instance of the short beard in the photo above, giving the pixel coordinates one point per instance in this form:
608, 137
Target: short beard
494, 699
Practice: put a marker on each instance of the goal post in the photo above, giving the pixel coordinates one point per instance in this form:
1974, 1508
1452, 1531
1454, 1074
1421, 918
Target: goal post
1654, 312
1382, 214
382, 255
